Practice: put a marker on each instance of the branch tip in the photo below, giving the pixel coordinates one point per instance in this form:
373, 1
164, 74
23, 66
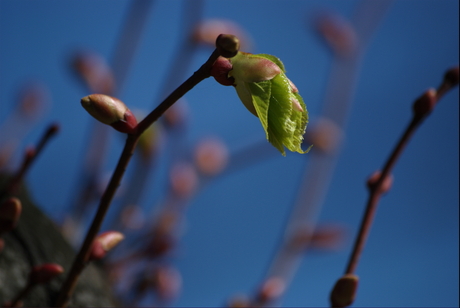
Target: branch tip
227, 45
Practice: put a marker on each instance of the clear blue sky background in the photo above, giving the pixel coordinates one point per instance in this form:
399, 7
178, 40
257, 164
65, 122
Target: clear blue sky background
233, 226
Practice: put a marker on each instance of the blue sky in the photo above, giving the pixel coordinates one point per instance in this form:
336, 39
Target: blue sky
235, 223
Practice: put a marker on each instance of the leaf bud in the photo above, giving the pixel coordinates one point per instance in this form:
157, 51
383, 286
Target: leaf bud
111, 111
104, 243
425, 104
44, 273
228, 45
251, 68
344, 291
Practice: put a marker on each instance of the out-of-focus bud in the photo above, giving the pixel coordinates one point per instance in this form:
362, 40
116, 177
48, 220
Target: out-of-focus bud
323, 237
176, 115
207, 31
239, 301
94, 72
271, 290
104, 243
168, 282
183, 179
132, 217
386, 184
344, 291
220, 70
211, 156
10, 211
425, 104
33, 99
325, 135
44, 273
228, 45
148, 141
338, 34
111, 111
452, 76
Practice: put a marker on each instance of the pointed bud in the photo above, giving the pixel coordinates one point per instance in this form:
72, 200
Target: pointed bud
111, 111
10, 211
228, 45
44, 273
344, 291
104, 243
251, 68
220, 70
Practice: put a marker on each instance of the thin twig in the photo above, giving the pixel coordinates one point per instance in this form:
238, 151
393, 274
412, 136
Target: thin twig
376, 190
82, 256
30, 156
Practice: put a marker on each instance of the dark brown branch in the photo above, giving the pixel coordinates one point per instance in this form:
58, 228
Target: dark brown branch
82, 257
422, 107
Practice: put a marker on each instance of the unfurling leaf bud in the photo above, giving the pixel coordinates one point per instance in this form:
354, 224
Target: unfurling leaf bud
228, 45
111, 111
344, 291
44, 273
264, 89
104, 243
10, 211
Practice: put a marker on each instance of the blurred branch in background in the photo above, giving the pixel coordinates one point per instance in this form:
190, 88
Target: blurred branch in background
347, 41
99, 77
33, 100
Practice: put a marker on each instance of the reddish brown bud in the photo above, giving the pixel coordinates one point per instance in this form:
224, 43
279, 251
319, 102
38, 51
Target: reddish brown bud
325, 135
168, 282
104, 243
94, 72
452, 76
425, 104
10, 211
206, 32
184, 179
44, 273
272, 289
239, 301
211, 156
338, 34
228, 45
344, 291
374, 178
220, 70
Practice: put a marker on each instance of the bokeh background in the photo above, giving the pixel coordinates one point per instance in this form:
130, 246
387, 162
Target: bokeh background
234, 224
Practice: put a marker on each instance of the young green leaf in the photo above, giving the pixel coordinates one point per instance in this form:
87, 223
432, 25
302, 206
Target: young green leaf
265, 90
